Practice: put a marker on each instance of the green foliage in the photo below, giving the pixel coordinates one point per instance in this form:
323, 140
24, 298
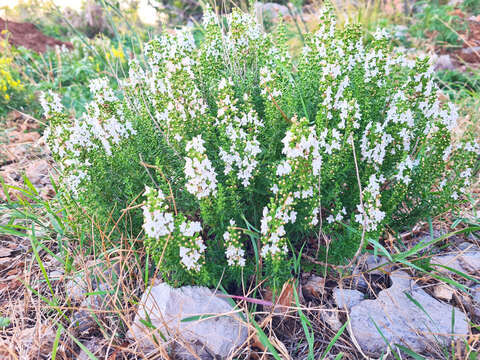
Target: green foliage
455, 81
70, 71
439, 22
254, 149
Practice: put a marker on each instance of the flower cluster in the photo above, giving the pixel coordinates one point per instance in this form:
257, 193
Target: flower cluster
241, 129
163, 227
199, 172
233, 246
104, 126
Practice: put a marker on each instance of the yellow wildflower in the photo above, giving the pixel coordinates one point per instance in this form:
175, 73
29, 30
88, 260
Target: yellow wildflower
118, 53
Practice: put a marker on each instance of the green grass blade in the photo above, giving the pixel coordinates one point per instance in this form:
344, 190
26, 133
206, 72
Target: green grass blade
409, 352
333, 341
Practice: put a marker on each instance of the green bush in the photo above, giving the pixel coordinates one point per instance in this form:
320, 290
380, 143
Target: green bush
256, 152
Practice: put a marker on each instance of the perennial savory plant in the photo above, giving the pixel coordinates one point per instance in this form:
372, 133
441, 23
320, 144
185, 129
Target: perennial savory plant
256, 151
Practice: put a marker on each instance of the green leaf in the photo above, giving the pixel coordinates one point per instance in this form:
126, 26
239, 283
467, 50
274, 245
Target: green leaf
410, 352
4, 322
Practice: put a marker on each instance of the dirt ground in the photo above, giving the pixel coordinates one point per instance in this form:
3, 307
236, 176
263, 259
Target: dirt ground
28, 36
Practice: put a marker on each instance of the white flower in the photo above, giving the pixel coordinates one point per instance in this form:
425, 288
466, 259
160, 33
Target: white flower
157, 223
283, 169
52, 105
190, 228
190, 257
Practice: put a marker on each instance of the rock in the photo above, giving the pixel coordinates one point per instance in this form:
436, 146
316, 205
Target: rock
379, 262
366, 267
443, 292
401, 321
55, 275
476, 294
331, 318
314, 287
444, 62
466, 260
466, 246
270, 10
37, 173
75, 289
347, 297
84, 320
165, 307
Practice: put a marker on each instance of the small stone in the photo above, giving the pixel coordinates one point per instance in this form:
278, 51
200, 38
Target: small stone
468, 246
444, 62
402, 321
76, 288
270, 10
218, 335
470, 54
443, 292
369, 265
347, 297
378, 263
476, 294
331, 318
467, 260
314, 287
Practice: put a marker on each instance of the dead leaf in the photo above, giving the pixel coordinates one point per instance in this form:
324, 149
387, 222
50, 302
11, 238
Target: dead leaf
284, 300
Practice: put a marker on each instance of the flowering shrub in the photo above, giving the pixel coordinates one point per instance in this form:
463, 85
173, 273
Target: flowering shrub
256, 150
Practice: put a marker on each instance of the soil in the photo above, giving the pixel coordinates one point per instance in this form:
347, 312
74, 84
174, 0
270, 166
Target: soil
29, 36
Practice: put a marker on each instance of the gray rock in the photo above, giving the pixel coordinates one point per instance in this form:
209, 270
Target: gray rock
93, 345
401, 321
331, 318
217, 335
75, 289
466, 259
270, 10
347, 297
367, 264
444, 62
467, 246
473, 50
